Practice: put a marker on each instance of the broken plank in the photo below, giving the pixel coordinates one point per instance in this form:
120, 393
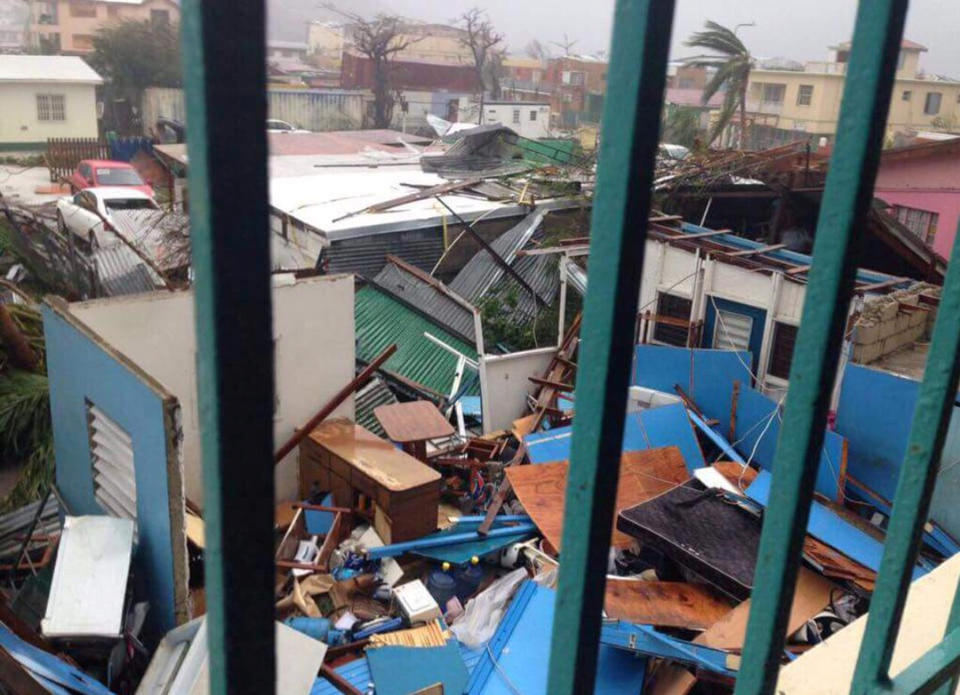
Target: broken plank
797, 270
558, 385
541, 488
664, 604
750, 252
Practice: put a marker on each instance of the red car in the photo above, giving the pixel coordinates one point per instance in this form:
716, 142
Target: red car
101, 172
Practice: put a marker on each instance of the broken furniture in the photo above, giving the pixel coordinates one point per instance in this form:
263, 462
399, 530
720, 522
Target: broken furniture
412, 425
368, 473
89, 588
340, 526
695, 527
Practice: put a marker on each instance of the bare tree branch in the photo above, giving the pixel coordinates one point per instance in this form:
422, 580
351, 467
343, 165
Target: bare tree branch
480, 37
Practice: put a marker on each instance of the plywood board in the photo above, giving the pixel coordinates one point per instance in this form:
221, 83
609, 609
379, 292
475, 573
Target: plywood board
664, 604
644, 474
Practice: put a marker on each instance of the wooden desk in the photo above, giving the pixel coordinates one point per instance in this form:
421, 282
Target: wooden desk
363, 471
413, 425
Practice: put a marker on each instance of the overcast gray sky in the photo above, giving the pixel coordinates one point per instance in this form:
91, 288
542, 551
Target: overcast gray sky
798, 30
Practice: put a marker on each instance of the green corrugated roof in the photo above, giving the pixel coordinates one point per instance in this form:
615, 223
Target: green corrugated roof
381, 319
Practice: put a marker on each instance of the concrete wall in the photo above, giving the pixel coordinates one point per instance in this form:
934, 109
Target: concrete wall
676, 271
888, 323
83, 367
929, 183
18, 114
504, 385
314, 343
161, 102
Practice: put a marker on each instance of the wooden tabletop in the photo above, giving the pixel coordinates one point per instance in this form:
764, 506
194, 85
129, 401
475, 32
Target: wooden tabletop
366, 453
416, 421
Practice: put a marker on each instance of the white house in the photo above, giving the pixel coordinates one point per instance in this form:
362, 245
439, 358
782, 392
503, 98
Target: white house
530, 119
46, 97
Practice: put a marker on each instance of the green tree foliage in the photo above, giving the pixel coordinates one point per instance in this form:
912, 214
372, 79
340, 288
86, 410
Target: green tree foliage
681, 125
732, 62
133, 55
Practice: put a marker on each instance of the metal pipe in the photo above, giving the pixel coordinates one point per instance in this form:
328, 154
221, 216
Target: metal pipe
443, 541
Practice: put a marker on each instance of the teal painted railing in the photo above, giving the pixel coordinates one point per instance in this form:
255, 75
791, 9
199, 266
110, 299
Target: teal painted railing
225, 89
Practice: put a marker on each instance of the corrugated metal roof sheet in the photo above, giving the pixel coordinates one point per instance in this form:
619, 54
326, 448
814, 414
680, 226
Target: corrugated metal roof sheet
427, 299
482, 278
381, 319
120, 271
576, 276
371, 396
161, 235
367, 255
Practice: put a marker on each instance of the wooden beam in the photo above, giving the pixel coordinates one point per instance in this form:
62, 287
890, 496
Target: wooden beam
703, 235
880, 285
558, 385
430, 280
751, 252
797, 270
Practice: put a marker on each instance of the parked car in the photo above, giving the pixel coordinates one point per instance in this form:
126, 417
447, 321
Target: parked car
275, 125
83, 213
93, 173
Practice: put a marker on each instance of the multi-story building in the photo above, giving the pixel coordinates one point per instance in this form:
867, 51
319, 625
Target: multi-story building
524, 79
426, 43
68, 26
14, 16
578, 85
786, 104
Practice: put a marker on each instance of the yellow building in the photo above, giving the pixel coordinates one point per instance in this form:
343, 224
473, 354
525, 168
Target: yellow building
68, 26
783, 105
427, 43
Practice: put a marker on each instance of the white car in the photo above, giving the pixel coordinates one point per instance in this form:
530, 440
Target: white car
83, 213
275, 125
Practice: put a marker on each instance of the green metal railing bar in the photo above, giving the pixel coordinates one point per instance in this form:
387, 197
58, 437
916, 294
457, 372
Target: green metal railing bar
929, 672
225, 81
846, 201
641, 36
931, 419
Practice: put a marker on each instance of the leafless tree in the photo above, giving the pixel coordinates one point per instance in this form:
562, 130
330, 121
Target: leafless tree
479, 36
379, 39
537, 50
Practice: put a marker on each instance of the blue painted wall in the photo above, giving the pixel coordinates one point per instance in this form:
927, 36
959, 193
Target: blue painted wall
759, 316
79, 368
874, 414
706, 375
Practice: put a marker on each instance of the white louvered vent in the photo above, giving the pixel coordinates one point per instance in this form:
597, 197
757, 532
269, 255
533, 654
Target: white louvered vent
732, 331
114, 476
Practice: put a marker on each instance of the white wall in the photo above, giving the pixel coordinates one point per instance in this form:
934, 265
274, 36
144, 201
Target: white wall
504, 385
18, 112
314, 344
504, 113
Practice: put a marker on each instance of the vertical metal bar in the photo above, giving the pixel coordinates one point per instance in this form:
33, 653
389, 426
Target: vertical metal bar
931, 418
631, 124
843, 211
223, 64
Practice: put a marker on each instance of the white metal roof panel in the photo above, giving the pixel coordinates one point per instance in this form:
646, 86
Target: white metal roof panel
90, 578
54, 69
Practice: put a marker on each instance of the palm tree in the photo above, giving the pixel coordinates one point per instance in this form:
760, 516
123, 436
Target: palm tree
732, 64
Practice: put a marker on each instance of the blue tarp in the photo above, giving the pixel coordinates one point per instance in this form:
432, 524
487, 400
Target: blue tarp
647, 429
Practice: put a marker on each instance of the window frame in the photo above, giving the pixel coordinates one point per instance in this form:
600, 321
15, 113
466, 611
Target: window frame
51, 108
774, 363
665, 333
927, 103
809, 95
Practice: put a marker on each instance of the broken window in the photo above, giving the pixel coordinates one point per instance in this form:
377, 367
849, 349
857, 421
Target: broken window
674, 307
784, 338
932, 105
773, 93
111, 456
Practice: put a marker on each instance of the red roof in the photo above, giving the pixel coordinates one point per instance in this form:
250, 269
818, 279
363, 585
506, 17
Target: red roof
692, 97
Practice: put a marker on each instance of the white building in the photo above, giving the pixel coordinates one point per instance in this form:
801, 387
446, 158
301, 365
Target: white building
529, 119
46, 97
14, 17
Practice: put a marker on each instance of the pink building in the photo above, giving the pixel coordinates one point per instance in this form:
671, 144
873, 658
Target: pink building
921, 183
